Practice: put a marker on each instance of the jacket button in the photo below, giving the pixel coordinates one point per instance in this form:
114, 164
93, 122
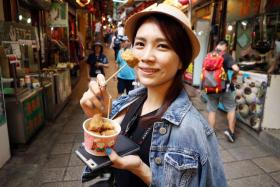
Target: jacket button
162, 130
158, 160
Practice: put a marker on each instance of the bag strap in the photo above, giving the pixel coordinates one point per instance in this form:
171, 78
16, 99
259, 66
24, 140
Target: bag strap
132, 114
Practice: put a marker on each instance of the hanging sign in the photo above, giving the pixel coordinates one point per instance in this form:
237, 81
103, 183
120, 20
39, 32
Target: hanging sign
58, 15
241, 9
11, 31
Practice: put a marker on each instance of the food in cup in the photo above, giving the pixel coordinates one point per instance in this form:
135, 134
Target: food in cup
105, 136
98, 125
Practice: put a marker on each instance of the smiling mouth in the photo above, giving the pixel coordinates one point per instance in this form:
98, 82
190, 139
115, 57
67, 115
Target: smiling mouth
148, 70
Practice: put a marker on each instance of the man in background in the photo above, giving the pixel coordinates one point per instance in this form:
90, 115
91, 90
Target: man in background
226, 97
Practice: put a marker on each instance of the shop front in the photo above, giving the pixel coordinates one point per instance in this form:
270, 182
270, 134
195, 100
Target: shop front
22, 86
202, 20
253, 31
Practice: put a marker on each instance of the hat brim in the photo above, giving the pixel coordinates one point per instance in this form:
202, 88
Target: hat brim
98, 44
175, 13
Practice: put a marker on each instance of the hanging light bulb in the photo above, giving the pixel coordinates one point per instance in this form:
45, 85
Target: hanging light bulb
29, 20
230, 28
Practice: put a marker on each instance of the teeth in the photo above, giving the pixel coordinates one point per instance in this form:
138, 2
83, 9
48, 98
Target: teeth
149, 70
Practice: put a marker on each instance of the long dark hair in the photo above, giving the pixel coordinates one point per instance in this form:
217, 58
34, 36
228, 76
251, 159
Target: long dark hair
178, 39
94, 49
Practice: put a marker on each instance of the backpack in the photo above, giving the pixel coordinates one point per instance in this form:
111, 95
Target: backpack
117, 42
213, 76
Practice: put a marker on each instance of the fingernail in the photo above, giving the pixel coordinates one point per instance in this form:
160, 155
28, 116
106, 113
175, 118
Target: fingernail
108, 151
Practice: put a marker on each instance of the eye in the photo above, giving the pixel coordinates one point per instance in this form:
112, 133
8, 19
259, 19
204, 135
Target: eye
163, 46
139, 44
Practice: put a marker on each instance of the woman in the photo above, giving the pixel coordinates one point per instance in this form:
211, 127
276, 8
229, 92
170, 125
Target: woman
126, 76
96, 61
177, 146
116, 44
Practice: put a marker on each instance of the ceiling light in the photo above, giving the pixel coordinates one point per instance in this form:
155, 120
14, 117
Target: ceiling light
29, 20
230, 28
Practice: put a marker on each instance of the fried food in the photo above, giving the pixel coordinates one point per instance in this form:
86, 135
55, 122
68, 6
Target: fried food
99, 126
95, 123
130, 58
108, 132
107, 126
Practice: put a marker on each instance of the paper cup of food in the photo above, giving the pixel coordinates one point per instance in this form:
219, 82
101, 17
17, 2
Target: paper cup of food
100, 133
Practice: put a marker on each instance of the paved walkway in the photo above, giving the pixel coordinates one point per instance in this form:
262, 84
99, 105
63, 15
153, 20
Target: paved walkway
49, 160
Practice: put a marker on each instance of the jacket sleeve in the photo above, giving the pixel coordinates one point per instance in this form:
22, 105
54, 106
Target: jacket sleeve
212, 169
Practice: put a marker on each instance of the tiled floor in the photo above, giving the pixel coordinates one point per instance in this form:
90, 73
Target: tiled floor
49, 160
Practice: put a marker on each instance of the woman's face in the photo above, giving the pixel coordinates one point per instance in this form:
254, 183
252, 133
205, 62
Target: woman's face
158, 61
97, 49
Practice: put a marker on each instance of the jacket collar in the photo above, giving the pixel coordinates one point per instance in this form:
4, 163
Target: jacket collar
178, 109
175, 112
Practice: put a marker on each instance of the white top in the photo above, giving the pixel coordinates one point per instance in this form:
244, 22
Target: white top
98, 26
120, 31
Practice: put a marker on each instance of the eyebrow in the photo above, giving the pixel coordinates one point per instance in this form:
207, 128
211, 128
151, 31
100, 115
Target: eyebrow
157, 39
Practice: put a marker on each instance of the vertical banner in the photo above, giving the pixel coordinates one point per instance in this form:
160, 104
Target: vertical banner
58, 15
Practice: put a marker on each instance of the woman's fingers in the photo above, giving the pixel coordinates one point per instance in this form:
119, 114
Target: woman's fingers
115, 158
97, 95
102, 84
94, 99
129, 162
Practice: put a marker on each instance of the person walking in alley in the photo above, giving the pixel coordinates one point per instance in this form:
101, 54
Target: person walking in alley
96, 61
127, 75
226, 97
177, 146
98, 30
116, 44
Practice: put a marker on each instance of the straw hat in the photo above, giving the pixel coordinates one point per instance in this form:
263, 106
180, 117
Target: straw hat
168, 10
97, 43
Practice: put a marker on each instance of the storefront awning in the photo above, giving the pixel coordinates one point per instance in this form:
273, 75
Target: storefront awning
36, 4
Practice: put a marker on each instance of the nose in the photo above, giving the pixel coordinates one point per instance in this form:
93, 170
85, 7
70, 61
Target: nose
148, 55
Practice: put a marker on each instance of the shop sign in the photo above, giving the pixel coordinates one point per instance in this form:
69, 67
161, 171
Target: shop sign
58, 15
11, 31
203, 12
241, 9
35, 4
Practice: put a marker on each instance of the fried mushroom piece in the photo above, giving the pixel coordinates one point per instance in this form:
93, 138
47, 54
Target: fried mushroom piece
107, 126
108, 132
96, 123
130, 58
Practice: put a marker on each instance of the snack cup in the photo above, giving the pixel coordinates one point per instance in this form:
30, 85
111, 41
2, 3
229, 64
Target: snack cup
96, 144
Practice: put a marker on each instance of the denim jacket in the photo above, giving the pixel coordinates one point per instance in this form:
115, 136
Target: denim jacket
184, 149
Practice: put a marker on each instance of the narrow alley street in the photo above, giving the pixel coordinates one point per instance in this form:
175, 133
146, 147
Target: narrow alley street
49, 159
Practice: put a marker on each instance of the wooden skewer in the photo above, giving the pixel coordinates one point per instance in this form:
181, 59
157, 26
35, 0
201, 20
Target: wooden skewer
109, 106
114, 74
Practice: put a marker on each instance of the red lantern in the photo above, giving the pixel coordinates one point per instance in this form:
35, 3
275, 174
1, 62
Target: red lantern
91, 9
184, 2
83, 3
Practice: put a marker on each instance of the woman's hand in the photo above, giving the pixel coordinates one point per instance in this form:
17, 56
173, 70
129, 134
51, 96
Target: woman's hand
131, 163
96, 99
